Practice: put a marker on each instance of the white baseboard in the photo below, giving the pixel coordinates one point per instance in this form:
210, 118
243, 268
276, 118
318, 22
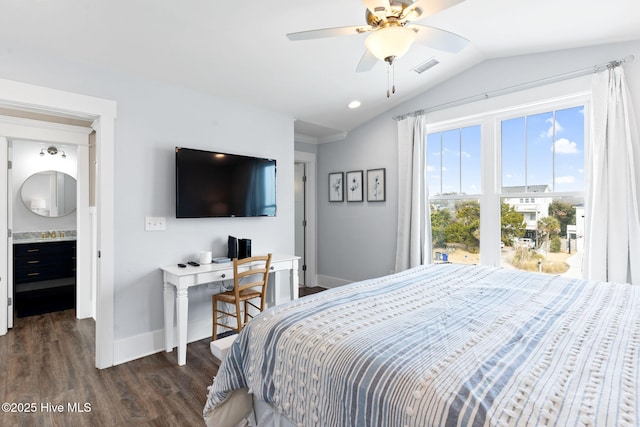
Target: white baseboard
131, 348
332, 282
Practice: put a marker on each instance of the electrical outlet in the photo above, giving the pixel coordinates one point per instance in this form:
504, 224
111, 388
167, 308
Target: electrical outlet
154, 223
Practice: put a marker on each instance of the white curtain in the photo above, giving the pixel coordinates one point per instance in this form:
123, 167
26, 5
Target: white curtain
612, 220
414, 219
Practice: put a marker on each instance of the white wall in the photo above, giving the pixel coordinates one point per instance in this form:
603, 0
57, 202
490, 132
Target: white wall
27, 161
357, 240
152, 120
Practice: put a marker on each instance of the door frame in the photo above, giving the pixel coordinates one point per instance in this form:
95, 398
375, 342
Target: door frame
102, 112
309, 159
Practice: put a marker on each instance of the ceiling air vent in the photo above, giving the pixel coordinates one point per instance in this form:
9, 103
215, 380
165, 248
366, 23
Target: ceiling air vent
426, 65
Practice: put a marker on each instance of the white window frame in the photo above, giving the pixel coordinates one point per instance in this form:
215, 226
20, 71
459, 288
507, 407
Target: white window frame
489, 114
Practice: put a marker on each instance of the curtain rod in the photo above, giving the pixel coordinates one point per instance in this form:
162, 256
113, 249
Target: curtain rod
510, 89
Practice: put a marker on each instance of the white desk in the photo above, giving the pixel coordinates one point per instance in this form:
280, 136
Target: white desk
177, 282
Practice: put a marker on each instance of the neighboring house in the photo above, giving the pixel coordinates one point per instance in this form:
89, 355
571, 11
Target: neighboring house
575, 233
532, 209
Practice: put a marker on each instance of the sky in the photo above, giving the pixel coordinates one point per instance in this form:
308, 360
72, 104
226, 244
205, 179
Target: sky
539, 149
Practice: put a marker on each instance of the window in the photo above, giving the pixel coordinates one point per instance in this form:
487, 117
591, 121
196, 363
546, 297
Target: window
543, 153
453, 169
513, 175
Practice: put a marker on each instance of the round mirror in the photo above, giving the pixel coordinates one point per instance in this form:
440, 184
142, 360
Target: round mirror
49, 193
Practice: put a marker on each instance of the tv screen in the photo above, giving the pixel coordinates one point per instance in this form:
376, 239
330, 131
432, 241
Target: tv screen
214, 184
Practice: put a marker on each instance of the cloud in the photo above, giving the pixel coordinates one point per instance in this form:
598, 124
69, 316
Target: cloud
430, 168
457, 153
564, 146
565, 179
550, 131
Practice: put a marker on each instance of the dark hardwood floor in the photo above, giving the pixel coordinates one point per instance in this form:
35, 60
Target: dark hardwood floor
308, 290
48, 360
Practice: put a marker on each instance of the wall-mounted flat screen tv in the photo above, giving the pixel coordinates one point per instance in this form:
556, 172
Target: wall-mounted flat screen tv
214, 184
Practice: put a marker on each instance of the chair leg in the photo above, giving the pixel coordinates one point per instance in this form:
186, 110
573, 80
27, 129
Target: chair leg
238, 318
246, 312
214, 304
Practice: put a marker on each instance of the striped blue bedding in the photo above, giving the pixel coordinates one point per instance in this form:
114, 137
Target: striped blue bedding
446, 345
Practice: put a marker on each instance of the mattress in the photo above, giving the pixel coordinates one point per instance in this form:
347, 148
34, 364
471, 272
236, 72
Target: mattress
441, 345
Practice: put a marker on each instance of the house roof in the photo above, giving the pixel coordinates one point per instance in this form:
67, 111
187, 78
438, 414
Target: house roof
518, 189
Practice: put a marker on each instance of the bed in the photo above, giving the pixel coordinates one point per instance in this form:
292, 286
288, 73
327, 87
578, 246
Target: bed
439, 345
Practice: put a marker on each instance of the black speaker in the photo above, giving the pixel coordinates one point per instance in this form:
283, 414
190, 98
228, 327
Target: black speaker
232, 247
244, 248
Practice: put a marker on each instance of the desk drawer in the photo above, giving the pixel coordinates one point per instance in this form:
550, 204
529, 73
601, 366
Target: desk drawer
214, 276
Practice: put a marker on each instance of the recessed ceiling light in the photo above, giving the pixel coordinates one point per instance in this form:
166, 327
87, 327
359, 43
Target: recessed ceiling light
354, 104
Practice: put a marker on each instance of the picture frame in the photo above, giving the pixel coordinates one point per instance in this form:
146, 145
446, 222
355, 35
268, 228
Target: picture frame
354, 186
376, 185
336, 187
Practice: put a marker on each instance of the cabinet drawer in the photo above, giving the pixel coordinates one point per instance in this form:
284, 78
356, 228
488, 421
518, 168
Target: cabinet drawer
50, 248
38, 274
42, 262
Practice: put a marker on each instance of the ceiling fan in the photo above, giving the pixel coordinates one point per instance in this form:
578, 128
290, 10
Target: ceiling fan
392, 32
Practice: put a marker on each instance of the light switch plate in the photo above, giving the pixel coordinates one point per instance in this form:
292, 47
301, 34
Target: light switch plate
154, 223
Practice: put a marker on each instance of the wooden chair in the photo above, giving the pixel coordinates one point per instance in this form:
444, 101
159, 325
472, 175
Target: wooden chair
257, 272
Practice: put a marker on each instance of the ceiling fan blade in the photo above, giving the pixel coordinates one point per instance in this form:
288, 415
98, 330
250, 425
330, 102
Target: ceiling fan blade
379, 8
366, 62
439, 39
328, 32
424, 8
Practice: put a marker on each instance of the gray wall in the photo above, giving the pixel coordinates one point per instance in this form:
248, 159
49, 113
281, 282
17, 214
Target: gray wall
358, 240
152, 119
306, 147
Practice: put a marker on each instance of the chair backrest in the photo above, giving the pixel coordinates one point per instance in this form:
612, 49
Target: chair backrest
259, 266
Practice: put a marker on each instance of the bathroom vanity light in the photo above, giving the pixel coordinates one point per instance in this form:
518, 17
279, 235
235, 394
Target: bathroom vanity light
53, 151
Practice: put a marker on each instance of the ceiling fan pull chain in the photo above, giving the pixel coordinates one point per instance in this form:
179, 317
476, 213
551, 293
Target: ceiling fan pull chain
388, 84
393, 78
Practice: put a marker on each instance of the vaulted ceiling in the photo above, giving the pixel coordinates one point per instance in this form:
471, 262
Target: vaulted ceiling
240, 50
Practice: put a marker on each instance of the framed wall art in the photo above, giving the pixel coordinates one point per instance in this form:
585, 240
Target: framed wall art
355, 185
376, 185
336, 187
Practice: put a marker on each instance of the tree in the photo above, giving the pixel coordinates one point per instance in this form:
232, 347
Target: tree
440, 220
564, 212
548, 227
512, 223
466, 228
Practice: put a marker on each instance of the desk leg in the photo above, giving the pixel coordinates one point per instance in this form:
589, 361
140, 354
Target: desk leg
169, 304
294, 279
182, 308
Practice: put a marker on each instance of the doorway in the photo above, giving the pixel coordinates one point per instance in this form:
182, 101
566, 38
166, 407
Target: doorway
300, 181
43, 198
305, 217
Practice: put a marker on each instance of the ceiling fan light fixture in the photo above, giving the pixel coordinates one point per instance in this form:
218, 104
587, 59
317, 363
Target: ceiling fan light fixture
390, 42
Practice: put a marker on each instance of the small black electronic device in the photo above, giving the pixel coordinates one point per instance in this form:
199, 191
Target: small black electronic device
244, 248
193, 263
181, 265
232, 247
